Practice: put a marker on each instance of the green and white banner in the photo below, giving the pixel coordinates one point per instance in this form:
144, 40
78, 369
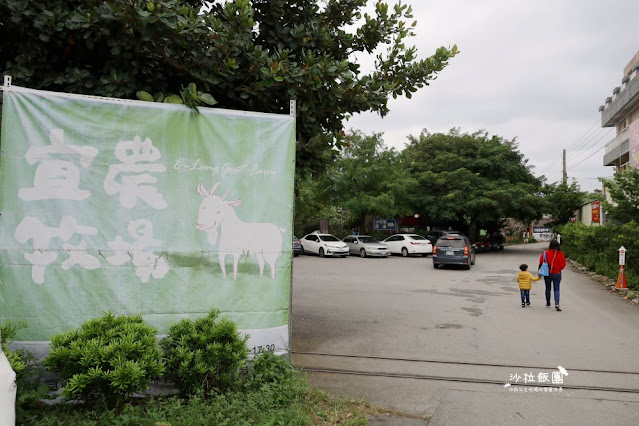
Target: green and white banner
144, 208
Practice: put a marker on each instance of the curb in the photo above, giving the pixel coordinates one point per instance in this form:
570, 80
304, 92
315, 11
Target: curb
607, 282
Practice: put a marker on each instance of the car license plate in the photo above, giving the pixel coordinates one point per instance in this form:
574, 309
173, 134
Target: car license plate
450, 253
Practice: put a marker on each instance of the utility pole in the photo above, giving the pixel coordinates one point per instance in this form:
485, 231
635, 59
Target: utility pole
565, 175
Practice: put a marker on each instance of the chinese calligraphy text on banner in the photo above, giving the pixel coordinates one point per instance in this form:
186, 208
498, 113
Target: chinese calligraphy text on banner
144, 208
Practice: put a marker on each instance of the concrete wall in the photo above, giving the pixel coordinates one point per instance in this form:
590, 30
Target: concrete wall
584, 215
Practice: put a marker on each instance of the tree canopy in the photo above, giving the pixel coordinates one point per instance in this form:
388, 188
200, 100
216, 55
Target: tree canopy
562, 200
252, 55
471, 181
369, 181
624, 191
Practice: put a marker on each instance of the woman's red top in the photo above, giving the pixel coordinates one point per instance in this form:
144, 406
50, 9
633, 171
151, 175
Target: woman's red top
556, 261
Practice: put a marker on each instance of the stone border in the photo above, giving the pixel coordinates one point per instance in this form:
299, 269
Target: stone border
607, 282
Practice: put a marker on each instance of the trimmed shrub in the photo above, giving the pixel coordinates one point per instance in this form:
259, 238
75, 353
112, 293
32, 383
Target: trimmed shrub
106, 360
204, 355
17, 359
268, 368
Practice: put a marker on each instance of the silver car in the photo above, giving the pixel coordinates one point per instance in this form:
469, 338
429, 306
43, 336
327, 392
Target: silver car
365, 245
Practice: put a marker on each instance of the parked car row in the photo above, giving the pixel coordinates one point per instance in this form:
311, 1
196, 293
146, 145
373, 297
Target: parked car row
365, 245
450, 248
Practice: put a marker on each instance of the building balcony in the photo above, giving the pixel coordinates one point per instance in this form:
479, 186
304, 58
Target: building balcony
617, 150
616, 142
621, 103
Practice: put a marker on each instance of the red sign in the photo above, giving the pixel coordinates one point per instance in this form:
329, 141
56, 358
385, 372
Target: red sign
595, 211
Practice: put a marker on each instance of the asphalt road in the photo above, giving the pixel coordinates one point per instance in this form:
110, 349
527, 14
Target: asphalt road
442, 344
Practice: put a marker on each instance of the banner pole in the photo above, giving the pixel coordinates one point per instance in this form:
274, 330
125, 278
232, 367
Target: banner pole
292, 111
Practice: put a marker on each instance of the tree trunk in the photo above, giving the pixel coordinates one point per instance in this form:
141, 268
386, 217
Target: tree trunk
473, 232
366, 224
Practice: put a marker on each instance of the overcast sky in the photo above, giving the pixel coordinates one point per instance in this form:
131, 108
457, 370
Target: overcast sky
536, 71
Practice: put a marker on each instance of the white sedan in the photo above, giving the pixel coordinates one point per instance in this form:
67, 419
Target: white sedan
324, 245
407, 244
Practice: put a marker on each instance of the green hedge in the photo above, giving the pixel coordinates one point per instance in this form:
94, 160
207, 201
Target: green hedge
596, 247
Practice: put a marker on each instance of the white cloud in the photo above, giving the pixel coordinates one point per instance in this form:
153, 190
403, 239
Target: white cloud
535, 71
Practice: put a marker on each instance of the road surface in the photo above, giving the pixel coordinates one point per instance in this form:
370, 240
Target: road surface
455, 347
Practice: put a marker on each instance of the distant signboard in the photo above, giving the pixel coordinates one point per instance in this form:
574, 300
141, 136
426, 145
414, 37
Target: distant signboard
595, 211
384, 225
540, 229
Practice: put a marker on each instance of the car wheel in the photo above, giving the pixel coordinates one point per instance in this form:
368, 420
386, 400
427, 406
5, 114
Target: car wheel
362, 253
425, 254
435, 265
302, 251
295, 254
321, 252
404, 252
467, 267
473, 261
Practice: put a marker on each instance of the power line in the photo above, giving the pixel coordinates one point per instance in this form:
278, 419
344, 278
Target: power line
593, 144
551, 166
587, 138
592, 137
575, 165
575, 142
585, 141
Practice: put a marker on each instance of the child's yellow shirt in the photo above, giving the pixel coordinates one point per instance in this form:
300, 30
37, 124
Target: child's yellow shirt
525, 279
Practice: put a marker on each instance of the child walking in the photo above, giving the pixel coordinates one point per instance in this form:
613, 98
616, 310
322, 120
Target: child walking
525, 279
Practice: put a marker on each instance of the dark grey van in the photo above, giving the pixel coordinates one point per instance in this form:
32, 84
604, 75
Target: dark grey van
453, 249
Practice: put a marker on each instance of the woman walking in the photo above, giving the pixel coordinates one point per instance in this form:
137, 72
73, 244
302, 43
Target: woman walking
556, 263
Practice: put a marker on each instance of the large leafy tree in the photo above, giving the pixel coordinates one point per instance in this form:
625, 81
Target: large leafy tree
315, 201
624, 191
471, 181
369, 181
562, 200
251, 55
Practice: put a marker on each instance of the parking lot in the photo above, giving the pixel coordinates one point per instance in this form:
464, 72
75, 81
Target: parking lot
399, 300
432, 342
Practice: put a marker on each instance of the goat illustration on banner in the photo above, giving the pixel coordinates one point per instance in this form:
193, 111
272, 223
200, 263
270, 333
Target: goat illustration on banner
216, 216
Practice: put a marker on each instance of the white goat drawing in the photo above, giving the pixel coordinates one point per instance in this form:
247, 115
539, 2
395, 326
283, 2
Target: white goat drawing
237, 238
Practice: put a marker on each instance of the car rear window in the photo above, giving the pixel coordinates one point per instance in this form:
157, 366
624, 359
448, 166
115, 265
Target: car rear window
455, 242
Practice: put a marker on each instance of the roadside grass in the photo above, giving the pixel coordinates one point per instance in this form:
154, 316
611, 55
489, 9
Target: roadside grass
292, 402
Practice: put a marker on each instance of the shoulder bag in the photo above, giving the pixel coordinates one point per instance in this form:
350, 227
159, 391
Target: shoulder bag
543, 269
